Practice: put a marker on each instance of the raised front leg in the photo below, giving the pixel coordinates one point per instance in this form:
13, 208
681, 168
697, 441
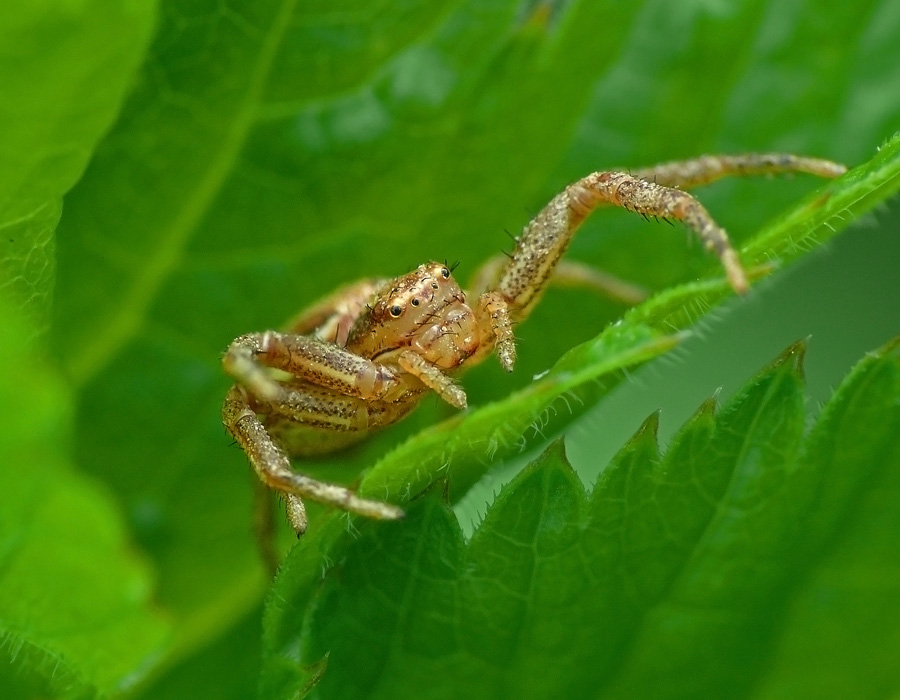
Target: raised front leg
331, 317
529, 269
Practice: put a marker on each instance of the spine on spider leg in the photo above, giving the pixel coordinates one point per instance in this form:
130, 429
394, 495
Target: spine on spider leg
525, 275
542, 243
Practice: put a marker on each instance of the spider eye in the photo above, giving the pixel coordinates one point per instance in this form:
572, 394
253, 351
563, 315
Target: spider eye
396, 311
434, 285
445, 272
414, 302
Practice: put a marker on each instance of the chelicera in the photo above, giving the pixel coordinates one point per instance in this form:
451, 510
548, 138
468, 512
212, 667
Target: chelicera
364, 356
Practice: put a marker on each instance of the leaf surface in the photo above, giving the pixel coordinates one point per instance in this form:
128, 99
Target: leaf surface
270, 151
719, 569
64, 68
76, 615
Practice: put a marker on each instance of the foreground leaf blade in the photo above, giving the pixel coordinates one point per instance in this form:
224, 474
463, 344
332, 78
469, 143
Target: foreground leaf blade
842, 622
629, 592
714, 615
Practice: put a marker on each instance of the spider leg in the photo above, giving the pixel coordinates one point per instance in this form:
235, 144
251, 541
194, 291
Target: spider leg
568, 273
433, 378
706, 169
330, 317
320, 362
526, 274
274, 468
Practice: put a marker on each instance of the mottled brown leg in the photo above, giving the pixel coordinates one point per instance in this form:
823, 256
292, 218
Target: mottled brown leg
547, 236
650, 199
493, 311
544, 240
433, 378
320, 408
274, 468
706, 169
571, 273
330, 318
322, 363
296, 513
567, 273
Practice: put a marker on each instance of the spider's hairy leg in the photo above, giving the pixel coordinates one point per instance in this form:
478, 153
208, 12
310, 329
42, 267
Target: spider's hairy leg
568, 273
527, 273
650, 192
547, 236
571, 273
296, 513
342, 305
322, 363
705, 169
651, 199
433, 378
274, 468
494, 313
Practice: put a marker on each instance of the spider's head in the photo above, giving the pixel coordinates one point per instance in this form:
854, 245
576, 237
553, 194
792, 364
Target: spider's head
426, 311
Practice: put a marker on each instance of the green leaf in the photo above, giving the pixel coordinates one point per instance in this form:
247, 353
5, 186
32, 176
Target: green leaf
64, 68
226, 669
717, 570
457, 448
270, 151
75, 610
841, 625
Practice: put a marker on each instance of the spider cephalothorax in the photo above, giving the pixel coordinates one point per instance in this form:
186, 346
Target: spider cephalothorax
425, 312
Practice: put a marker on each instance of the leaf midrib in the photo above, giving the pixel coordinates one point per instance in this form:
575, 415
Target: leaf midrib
88, 360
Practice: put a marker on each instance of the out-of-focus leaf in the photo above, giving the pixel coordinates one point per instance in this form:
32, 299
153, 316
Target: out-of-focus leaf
75, 610
227, 669
64, 69
842, 624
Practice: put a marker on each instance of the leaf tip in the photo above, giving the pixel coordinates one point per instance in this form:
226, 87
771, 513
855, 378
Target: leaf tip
891, 347
557, 450
709, 406
649, 428
792, 357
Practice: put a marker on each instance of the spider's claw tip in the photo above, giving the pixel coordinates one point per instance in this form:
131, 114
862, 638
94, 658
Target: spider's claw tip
508, 363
